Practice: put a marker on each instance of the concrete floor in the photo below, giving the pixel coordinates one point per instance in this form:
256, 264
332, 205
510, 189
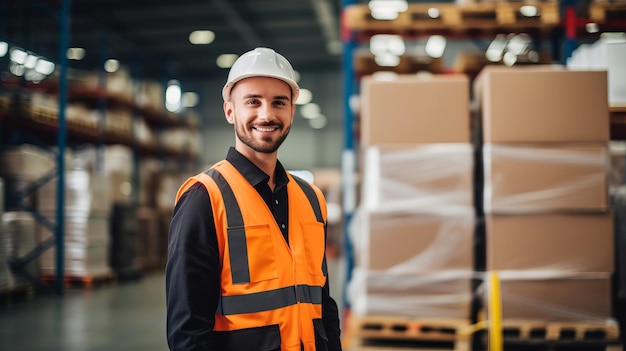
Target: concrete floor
119, 316
116, 316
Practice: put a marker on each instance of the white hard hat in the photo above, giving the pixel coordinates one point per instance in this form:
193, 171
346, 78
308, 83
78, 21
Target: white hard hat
261, 62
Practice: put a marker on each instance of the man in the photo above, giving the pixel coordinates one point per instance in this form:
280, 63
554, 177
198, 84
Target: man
246, 264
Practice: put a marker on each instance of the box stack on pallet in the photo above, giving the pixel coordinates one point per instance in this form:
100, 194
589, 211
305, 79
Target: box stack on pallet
21, 168
549, 224
87, 209
414, 229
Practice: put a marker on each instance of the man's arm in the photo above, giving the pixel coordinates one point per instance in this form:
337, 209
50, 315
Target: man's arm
330, 318
192, 273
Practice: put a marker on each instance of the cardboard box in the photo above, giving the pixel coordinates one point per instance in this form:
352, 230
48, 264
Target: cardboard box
532, 178
551, 242
574, 299
436, 295
411, 109
409, 242
430, 178
542, 104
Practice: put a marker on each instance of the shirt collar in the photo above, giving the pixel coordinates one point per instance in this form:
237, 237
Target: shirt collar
253, 174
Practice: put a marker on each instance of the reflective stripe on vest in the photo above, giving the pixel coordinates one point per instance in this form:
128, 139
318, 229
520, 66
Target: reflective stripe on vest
236, 232
265, 300
270, 300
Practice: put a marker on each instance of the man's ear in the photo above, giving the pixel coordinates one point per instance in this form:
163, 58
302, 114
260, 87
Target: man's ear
229, 112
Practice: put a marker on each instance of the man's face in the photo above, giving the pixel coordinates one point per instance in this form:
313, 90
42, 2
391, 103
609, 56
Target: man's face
261, 110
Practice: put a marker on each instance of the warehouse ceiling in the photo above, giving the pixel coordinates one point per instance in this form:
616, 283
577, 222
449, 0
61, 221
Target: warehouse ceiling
152, 36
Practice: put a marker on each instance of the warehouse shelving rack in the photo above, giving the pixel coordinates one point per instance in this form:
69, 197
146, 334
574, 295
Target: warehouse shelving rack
62, 15
31, 124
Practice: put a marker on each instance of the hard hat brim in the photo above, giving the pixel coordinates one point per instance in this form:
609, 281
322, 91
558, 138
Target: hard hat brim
295, 89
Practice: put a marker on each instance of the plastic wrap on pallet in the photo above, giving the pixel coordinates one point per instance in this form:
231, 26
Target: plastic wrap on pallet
19, 230
85, 192
618, 201
617, 172
445, 294
431, 178
408, 242
531, 178
25, 162
117, 167
87, 245
551, 296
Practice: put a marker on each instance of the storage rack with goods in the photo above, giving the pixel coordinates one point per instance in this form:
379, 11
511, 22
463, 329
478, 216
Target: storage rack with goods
562, 25
85, 115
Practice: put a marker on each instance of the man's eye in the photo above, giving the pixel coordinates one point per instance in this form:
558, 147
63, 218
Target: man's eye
252, 102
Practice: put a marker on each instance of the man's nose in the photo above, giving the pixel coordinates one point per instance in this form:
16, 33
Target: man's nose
265, 111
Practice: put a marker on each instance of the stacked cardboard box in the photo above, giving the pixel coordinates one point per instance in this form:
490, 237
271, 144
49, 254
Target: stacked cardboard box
21, 167
86, 213
549, 230
415, 223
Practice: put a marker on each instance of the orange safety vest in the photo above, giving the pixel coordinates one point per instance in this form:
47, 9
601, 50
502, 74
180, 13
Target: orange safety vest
264, 280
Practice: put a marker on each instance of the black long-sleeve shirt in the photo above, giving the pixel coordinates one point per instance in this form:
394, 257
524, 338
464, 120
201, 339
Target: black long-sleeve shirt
193, 267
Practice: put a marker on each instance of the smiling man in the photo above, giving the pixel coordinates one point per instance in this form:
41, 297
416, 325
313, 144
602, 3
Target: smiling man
246, 263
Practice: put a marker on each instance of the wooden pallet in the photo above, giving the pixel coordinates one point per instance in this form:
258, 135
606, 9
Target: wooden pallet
380, 332
365, 64
86, 281
455, 17
559, 331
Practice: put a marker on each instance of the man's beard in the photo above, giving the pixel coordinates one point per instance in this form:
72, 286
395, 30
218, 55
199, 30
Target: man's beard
266, 146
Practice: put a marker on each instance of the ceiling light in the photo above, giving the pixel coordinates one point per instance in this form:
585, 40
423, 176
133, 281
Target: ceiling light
44, 67
592, 27
496, 48
319, 122
4, 47
305, 97
387, 60
297, 75
201, 37
381, 44
384, 15
30, 61
435, 46
16, 69
433, 12
387, 9
173, 96
75, 54
509, 59
226, 60
18, 56
310, 110
111, 65
190, 99
519, 44
528, 10
34, 76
